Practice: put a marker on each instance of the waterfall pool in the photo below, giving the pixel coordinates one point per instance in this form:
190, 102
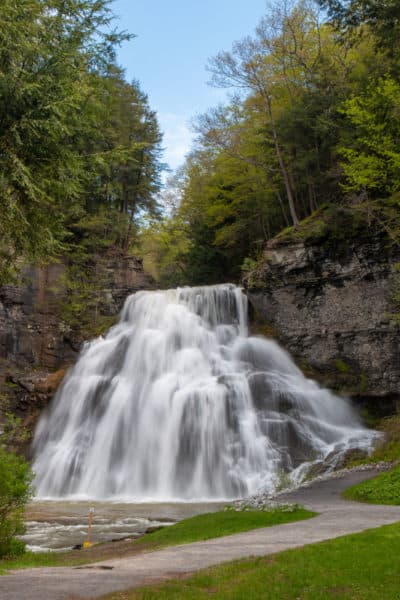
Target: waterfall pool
60, 525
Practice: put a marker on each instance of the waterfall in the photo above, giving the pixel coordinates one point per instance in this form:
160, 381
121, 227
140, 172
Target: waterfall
178, 402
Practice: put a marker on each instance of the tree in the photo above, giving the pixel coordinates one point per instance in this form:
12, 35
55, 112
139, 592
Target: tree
237, 131
313, 121
278, 68
126, 176
53, 57
15, 491
371, 153
382, 17
247, 67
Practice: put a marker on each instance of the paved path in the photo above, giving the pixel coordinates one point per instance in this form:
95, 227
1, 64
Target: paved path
337, 517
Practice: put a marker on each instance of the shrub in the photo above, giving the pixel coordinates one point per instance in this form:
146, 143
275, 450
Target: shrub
15, 491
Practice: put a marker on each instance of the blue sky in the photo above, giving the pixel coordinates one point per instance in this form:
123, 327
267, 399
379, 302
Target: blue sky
174, 40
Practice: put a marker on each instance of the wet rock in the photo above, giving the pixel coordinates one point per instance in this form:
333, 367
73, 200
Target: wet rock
330, 310
154, 528
36, 344
77, 547
33, 331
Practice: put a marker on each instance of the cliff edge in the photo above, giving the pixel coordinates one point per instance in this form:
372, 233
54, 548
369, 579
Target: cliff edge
327, 292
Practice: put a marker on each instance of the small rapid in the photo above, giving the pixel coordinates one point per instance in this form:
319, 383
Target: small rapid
177, 402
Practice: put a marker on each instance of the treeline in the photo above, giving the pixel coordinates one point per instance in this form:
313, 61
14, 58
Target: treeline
314, 118
79, 145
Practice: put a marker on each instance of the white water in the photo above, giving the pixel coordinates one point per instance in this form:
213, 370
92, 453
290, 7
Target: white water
177, 402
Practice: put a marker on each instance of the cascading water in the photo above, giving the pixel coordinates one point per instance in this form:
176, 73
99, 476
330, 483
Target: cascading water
177, 402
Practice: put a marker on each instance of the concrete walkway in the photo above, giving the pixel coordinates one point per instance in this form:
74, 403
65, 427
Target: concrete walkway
337, 517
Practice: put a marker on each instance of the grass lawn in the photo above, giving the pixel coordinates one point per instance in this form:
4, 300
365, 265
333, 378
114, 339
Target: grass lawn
364, 566
384, 489
213, 525
200, 527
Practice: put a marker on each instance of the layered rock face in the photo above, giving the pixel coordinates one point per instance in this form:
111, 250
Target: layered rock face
36, 341
331, 308
32, 329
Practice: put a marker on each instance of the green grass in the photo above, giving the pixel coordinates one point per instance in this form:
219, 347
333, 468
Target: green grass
39, 559
384, 489
213, 525
364, 566
200, 527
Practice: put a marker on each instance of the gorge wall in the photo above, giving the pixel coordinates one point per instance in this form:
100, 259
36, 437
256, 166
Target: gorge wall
38, 342
329, 304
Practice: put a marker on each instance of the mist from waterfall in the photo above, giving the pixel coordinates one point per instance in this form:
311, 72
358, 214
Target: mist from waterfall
178, 402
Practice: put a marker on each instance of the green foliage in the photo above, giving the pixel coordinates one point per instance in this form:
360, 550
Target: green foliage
363, 566
86, 276
312, 133
387, 447
341, 366
44, 85
384, 489
248, 265
315, 119
380, 18
15, 491
334, 227
165, 246
75, 137
371, 153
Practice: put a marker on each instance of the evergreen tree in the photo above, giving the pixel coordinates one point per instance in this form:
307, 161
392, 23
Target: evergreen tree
74, 135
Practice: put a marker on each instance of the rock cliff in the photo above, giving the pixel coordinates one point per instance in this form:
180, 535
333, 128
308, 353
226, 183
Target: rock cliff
330, 305
37, 342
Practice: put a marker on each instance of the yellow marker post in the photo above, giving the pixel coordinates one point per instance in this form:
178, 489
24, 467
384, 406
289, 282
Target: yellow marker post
87, 543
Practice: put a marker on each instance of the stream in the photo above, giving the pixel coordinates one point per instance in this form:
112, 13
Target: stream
60, 525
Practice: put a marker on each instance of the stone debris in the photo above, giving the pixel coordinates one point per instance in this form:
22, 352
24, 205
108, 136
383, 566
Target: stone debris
261, 503
269, 501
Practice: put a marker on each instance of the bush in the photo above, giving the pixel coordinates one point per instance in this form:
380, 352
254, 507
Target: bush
15, 491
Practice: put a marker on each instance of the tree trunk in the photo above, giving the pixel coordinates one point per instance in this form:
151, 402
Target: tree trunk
285, 174
282, 208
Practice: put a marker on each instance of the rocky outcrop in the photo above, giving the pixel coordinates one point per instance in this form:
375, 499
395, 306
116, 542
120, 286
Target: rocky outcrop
37, 343
330, 307
33, 331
